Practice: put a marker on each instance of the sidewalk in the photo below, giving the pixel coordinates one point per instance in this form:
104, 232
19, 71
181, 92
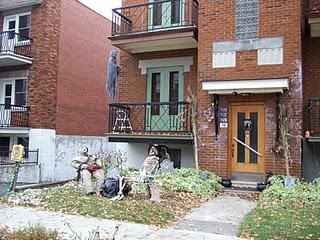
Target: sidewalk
16, 217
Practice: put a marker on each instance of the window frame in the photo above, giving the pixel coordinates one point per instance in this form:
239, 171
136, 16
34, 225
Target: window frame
17, 16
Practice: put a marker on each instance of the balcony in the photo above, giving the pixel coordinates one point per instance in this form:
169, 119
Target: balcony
13, 116
15, 49
144, 122
155, 26
314, 119
313, 16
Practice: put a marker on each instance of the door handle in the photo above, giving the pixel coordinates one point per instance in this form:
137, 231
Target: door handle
232, 150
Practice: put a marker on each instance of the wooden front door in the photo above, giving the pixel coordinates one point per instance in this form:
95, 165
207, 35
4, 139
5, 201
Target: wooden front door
247, 138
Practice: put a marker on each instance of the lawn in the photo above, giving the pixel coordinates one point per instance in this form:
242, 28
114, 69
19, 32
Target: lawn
180, 193
285, 213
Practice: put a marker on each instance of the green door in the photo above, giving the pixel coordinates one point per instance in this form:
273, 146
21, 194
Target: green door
165, 89
166, 14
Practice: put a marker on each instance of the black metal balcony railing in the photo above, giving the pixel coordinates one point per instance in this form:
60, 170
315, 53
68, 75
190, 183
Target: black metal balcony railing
154, 16
30, 158
144, 118
14, 116
314, 5
11, 42
314, 117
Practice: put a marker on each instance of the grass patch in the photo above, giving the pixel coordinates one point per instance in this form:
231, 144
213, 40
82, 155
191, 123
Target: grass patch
285, 213
35, 232
180, 193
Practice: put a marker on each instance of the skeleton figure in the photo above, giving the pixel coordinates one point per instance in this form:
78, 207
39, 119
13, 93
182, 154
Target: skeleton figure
113, 71
146, 176
89, 166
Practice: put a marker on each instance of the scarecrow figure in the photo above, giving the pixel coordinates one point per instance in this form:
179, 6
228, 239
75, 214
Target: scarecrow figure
89, 166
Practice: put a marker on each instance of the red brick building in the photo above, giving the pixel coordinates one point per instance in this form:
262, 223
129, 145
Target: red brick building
53, 72
242, 60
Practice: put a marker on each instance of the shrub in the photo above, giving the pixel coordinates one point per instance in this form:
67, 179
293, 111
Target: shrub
35, 232
189, 180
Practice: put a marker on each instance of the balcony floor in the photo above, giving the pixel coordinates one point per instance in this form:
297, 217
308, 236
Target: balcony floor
168, 138
172, 39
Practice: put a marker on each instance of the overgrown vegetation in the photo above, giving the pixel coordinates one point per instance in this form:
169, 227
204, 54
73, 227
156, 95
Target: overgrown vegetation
180, 193
284, 213
35, 232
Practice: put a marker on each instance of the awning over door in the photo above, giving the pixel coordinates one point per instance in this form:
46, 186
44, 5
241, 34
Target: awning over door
260, 86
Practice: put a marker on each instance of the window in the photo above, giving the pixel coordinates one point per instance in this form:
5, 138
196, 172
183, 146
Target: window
18, 24
20, 92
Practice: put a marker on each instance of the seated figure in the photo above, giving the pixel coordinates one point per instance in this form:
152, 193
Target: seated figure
89, 166
146, 174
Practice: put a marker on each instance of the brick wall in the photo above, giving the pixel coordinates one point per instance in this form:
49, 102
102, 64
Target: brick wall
42, 82
66, 84
277, 19
83, 58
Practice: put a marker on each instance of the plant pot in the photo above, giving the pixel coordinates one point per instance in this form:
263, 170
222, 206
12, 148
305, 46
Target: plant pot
261, 186
226, 183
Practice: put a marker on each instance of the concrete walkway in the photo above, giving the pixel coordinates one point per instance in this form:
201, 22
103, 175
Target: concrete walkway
218, 219
222, 215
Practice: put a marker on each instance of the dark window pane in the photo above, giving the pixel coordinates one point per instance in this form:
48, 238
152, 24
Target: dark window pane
24, 142
241, 137
21, 85
20, 99
175, 11
11, 35
174, 92
24, 21
4, 146
155, 92
8, 90
7, 103
157, 13
254, 137
24, 34
12, 25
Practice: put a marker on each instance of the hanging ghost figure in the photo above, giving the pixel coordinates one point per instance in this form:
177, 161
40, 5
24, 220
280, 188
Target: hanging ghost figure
113, 72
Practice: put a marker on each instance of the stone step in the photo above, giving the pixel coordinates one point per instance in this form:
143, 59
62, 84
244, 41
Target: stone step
244, 184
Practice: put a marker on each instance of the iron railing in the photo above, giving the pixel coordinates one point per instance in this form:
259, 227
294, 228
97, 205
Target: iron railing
14, 116
144, 118
30, 158
314, 117
154, 16
314, 6
11, 42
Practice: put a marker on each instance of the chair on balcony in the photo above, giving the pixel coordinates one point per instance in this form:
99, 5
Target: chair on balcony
122, 123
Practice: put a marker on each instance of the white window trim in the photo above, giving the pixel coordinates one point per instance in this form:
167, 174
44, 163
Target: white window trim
17, 16
13, 82
166, 62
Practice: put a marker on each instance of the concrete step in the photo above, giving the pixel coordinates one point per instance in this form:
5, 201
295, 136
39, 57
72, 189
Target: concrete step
244, 184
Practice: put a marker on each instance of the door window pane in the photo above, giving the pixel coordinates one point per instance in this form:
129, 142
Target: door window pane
254, 136
174, 92
8, 96
175, 11
20, 92
241, 137
157, 13
155, 92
